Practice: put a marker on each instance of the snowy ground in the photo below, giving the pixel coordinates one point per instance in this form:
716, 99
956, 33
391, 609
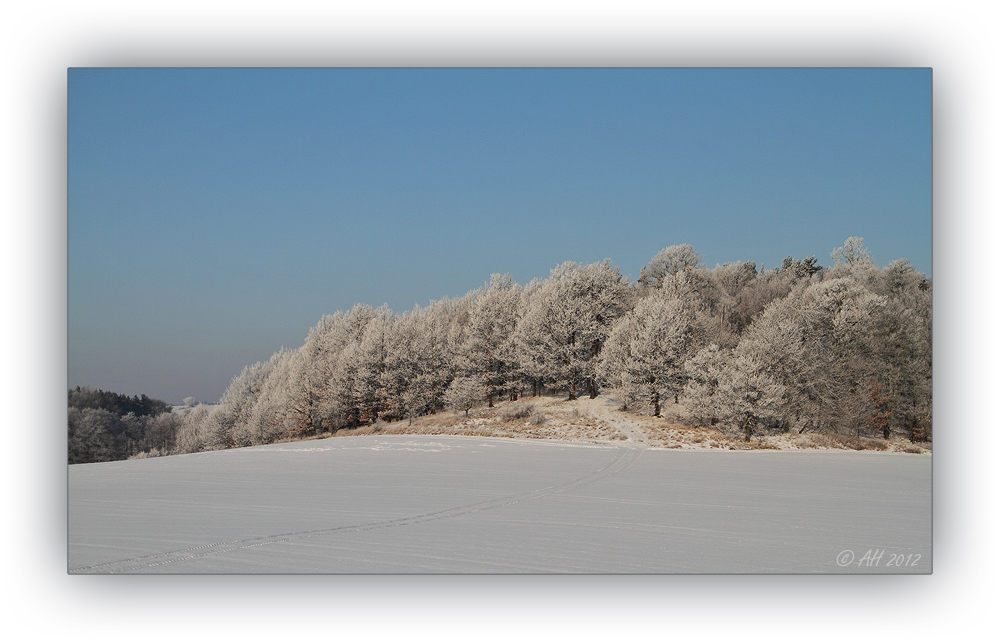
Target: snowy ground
454, 504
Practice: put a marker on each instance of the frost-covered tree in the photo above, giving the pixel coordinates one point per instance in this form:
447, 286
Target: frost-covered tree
568, 319
530, 358
464, 394
648, 347
803, 269
703, 372
271, 415
769, 286
778, 342
670, 261
315, 370
317, 389
853, 252
194, 430
727, 301
92, 435
747, 395
616, 367
730, 279
677, 272
489, 348
371, 379
842, 319
903, 352
417, 364
132, 436
339, 400
439, 349
236, 407
820, 343
162, 430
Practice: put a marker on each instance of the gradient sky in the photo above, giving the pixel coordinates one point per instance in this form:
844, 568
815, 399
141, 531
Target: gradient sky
215, 215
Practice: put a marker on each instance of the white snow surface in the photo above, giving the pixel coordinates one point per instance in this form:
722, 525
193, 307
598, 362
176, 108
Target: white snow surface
453, 504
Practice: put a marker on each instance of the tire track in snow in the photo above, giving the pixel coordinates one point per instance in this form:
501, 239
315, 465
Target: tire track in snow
626, 456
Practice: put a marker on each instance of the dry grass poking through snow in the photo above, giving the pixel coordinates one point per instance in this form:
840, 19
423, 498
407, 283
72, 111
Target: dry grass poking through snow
599, 421
533, 418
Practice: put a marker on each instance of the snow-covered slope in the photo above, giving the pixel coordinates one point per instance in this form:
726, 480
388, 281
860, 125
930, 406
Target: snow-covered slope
445, 504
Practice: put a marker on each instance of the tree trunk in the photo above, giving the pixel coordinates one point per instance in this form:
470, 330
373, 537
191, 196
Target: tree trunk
656, 403
492, 378
595, 350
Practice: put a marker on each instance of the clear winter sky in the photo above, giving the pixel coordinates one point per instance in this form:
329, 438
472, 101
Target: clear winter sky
215, 215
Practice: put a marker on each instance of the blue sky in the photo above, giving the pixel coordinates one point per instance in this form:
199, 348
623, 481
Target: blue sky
215, 215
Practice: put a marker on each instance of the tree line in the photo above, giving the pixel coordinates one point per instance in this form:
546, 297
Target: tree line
801, 347
105, 426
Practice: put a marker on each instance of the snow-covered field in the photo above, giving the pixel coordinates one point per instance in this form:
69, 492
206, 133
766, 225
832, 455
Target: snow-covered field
453, 504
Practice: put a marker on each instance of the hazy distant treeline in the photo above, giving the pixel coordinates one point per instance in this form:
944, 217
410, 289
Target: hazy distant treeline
105, 426
843, 349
